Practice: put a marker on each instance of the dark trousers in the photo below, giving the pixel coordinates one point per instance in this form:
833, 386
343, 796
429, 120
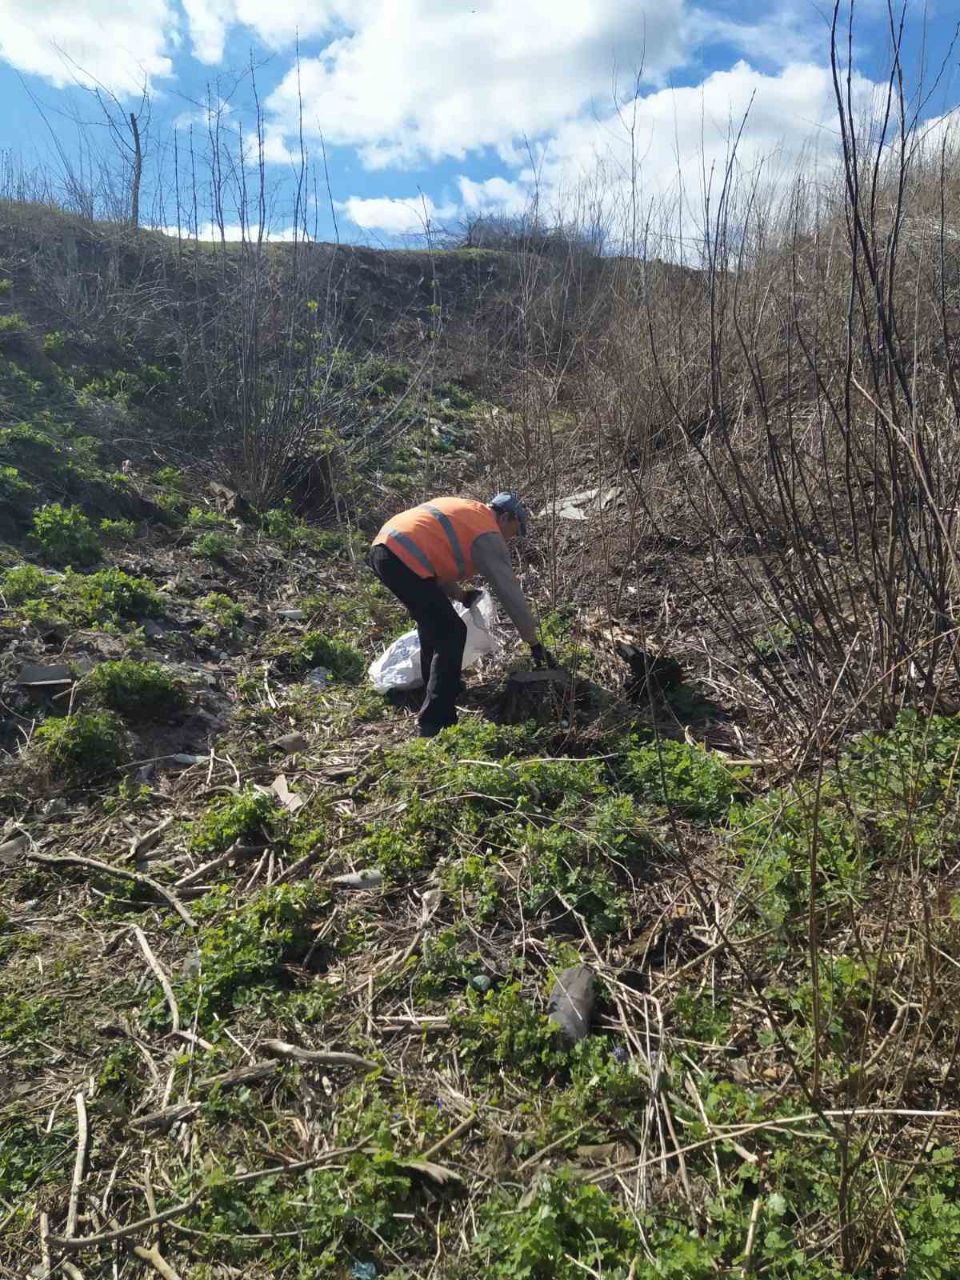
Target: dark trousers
442, 635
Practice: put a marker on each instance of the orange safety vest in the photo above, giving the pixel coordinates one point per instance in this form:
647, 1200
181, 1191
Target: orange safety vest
436, 539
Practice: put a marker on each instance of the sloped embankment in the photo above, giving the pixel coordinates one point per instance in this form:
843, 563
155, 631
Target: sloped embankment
273, 978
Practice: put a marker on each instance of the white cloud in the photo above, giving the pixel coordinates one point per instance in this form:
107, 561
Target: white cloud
413, 79
779, 33
119, 44
233, 232
939, 134
277, 24
397, 215
495, 195
682, 140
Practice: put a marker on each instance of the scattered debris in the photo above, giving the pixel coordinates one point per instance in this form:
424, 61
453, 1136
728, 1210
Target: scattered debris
228, 502
289, 799
317, 1057
545, 693
572, 506
167, 1117
11, 851
291, 742
571, 1002
42, 675
369, 879
654, 673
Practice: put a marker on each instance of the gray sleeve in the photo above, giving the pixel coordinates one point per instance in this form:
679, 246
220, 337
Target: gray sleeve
492, 559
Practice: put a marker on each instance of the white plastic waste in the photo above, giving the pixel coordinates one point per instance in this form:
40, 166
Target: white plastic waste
398, 667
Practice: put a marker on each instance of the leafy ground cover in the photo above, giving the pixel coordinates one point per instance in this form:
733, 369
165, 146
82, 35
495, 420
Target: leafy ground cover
307, 1077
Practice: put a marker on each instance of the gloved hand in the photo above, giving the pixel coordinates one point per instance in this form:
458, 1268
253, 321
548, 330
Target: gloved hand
470, 598
542, 657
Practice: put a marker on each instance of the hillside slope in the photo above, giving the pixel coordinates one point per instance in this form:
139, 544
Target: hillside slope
274, 978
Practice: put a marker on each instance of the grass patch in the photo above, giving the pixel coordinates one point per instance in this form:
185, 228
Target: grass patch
688, 779
314, 649
245, 948
81, 746
65, 536
249, 816
137, 690
109, 597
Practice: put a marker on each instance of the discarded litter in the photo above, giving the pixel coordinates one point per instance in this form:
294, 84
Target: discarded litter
363, 1271
291, 742
319, 676
572, 506
34, 675
571, 1002
480, 982
398, 667
370, 879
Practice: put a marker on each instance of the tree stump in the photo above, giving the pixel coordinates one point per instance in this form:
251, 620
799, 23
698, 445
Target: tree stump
542, 695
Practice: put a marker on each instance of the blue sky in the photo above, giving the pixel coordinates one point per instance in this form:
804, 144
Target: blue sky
432, 111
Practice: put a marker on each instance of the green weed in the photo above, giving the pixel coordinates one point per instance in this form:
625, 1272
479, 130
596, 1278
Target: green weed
108, 596
247, 816
65, 535
561, 873
117, 530
502, 1028
81, 746
25, 1018
245, 947
137, 690
226, 617
341, 659
13, 487
213, 545
447, 963
24, 582
690, 780
30, 1156
564, 1231
203, 518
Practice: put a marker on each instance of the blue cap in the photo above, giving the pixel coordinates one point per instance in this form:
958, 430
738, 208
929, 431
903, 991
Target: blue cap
511, 503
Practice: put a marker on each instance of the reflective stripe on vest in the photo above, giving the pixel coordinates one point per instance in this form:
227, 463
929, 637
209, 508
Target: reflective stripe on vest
435, 539
447, 525
412, 549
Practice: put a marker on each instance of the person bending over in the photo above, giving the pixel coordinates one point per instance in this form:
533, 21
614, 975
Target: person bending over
423, 555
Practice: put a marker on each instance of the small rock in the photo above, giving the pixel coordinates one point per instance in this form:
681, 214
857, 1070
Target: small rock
291, 615
153, 630
290, 742
368, 879
480, 982
571, 1002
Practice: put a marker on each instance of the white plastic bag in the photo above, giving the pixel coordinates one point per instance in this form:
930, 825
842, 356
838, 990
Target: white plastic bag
398, 667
